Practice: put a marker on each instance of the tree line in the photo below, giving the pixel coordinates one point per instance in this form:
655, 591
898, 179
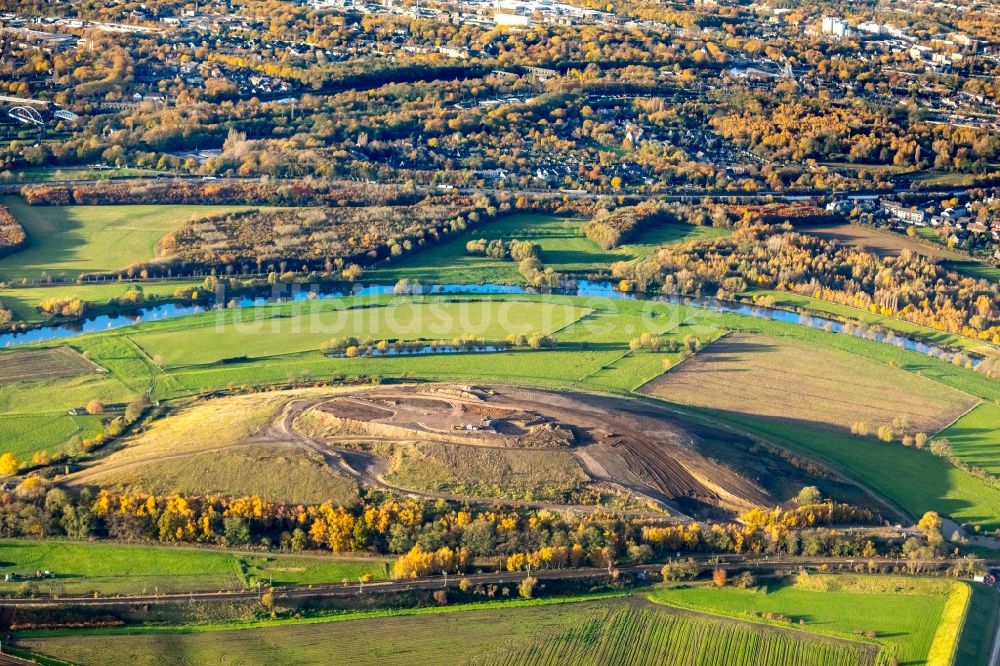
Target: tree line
452, 533
304, 192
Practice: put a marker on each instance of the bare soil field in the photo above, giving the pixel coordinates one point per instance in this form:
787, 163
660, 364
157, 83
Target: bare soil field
877, 241
796, 381
391, 415
47, 363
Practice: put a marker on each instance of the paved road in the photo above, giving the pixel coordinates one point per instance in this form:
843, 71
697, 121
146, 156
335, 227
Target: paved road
995, 653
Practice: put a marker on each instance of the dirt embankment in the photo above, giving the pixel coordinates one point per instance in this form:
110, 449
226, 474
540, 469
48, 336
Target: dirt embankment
616, 441
497, 444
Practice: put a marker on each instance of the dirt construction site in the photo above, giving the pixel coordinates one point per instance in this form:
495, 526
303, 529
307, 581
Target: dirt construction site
616, 442
488, 444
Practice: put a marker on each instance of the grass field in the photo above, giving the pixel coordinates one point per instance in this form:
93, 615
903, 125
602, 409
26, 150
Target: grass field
23, 301
110, 568
790, 380
276, 473
976, 641
918, 481
308, 569
975, 269
29, 423
25, 434
974, 437
564, 249
24, 417
591, 632
904, 620
492, 320
940, 178
592, 353
22, 397
65, 241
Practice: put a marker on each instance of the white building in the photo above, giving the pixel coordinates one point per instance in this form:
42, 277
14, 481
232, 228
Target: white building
871, 27
512, 20
835, 26
910, 215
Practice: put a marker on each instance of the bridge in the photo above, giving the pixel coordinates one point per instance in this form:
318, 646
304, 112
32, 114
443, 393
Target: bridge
27, 115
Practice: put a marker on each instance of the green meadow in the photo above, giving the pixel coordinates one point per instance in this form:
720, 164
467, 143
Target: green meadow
23, 301
904, 617
606, 631
564, 249
918, 480
201, 353
65, 241
399, 320
974, 438
111, 568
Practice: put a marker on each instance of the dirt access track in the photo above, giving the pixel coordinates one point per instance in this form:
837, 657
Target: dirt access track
616, 441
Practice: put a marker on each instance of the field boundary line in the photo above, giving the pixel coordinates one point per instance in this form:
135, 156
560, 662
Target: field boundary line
154, 369
961, 416
589, 311
849, 638
604, 367
638, 389
326, 619
630, 352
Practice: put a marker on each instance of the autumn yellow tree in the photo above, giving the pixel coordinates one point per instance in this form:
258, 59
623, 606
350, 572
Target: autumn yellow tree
8, 464
719, 577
